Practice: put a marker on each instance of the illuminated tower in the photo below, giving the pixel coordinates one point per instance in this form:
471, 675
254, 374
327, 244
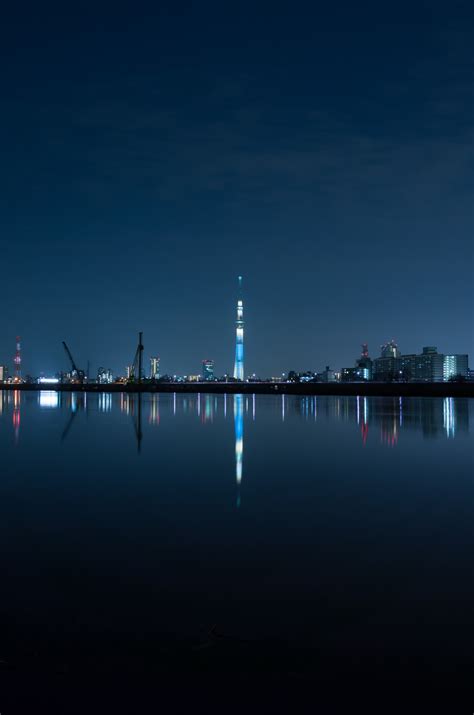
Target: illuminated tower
17, 360
239, 338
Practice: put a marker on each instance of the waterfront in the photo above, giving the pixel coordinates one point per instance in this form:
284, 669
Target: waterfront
337, 525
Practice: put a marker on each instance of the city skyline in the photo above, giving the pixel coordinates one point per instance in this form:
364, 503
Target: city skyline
388, 350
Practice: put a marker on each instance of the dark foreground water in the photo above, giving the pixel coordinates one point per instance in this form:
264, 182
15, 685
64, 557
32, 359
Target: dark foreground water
303, 534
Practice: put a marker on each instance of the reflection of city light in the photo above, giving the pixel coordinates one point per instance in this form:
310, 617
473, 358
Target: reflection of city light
283, 408
449, 417
154, 418
105, 402
48, 398
208, 411
389, 433
400, 410
358, 409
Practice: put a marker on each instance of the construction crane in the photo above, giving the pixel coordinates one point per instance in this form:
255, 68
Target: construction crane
136, 370
76, 374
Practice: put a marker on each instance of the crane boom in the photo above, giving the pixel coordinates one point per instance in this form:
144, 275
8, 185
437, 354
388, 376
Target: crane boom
137, 360
75, 369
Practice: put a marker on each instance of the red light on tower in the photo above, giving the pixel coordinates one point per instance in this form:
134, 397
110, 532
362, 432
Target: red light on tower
17, 360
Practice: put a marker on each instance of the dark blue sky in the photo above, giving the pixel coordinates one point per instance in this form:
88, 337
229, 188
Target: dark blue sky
150, 156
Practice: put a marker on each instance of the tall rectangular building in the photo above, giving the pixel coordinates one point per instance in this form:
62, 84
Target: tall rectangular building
208, 370
154, 368
454, 366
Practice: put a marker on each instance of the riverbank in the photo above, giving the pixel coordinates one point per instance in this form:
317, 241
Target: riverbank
366, 389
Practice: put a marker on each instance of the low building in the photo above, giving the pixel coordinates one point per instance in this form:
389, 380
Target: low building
355, 374
327, 375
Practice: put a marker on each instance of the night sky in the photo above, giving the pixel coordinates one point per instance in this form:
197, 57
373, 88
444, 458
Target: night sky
150, 156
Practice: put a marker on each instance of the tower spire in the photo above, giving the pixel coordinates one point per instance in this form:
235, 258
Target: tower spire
17, 360
239, 337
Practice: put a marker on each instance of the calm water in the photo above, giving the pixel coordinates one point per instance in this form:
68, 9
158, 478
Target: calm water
342, 524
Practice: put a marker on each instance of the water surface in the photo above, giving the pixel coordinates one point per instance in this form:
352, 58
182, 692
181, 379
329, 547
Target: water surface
342, 525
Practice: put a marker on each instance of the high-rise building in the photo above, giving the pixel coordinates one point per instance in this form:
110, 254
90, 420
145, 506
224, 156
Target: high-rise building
454, 366
208, 369
428, 366
3, 373
104, 376
239, 338
154, 368
389, 350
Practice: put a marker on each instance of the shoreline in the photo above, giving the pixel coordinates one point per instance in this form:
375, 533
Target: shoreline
368, 389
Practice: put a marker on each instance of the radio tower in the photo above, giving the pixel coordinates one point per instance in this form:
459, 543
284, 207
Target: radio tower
239, 338
17, 360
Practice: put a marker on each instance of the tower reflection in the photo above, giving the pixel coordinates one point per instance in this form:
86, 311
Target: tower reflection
239, 440
16, 414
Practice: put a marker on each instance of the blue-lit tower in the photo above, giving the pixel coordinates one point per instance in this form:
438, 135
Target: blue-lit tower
239, 337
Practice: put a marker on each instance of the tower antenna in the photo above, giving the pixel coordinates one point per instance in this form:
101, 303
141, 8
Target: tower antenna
17, 360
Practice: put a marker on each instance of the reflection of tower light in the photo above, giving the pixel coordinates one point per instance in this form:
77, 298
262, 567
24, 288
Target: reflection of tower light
364, 430
239, 438
449, 417
16, 413
239, 339
154, 418
389, 433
